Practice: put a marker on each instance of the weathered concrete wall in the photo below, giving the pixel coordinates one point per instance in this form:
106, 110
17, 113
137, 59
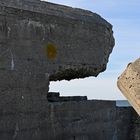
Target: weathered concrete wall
89, 120
40, 42
135, 131
83, 120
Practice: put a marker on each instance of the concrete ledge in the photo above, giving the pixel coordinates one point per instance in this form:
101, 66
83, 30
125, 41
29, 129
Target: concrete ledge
55, 97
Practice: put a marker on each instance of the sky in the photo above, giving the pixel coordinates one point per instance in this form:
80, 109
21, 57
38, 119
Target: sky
125, 18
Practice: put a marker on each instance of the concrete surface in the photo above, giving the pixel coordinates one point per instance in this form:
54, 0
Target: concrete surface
83, 120
41, 42
129, 84
63, 42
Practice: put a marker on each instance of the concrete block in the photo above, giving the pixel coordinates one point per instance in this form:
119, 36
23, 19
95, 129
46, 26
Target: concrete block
129, 84
65, 42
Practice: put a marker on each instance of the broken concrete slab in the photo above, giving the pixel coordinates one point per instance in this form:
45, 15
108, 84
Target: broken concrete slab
129, 84
64, 42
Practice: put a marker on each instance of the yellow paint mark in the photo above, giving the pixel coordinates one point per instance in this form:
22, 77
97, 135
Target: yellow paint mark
51, 51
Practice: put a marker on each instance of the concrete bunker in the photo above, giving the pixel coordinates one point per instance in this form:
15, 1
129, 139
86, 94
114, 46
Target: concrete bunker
67, 44
84, 41
78, 42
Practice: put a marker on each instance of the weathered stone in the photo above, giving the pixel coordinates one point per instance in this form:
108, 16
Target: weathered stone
42, 37
40, 42
129, 84
85, 120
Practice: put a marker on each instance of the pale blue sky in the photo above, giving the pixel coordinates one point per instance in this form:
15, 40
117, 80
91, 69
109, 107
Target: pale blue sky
125, 18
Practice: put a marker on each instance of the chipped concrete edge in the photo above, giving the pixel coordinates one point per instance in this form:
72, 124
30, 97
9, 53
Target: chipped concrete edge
126, 92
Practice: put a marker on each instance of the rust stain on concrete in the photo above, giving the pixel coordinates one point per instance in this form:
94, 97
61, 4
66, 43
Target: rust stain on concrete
51, 51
